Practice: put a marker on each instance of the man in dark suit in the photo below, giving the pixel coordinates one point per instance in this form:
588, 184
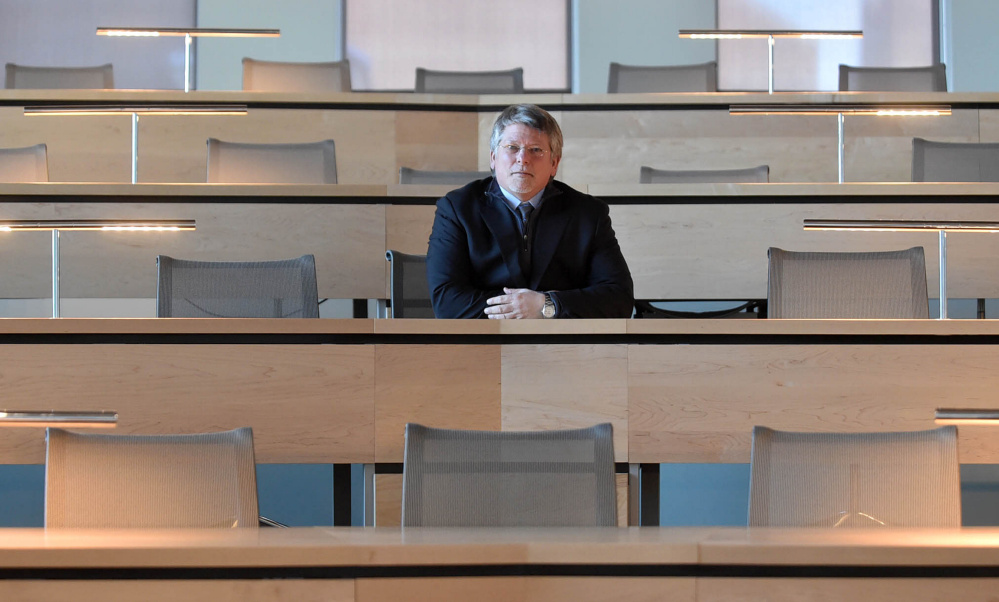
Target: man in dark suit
521, 245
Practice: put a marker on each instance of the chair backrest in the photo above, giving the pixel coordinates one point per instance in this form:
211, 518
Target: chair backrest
954, 161
409, 295
932, 78
283, 76
100, 77
877, 284
702, 77
855, 480
470, 82
758, 174
459, 478
100, 481
408, 175
240, 162
25, 164
236, 289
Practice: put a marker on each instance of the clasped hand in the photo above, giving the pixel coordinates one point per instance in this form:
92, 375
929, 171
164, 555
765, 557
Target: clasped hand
515, 304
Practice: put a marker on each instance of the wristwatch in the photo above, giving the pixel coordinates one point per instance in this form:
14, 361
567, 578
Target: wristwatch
548, 311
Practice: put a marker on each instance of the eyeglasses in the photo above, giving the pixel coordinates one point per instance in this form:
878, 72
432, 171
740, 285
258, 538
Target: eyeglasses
535, 152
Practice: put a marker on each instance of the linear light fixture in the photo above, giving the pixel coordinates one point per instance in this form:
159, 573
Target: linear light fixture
770, 35
963, 416
114, 225
135, 112
187, 34
941, 227
61, 419
841, 111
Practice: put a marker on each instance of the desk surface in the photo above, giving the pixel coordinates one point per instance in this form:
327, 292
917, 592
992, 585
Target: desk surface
622, 193
484, 102
553, 550
475, 329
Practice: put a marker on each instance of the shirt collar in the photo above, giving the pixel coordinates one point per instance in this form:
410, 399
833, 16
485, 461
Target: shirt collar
513, 202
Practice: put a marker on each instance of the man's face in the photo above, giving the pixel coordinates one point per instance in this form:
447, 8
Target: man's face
523, 161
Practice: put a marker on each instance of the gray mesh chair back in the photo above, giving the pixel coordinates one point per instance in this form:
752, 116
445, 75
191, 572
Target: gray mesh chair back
752, 175
702, 77
25, 164
100, 77
282, 76
932, 78
409, 295
408, 175
818, 285
248, 163
470, 82
855, 480
954, 161
458, 478
236, 289
99, 481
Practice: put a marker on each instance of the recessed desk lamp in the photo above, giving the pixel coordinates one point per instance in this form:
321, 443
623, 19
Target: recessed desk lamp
963, 416
188, 33
59, 419
898, 225
840, 111
116, 225
770, 35
135, 111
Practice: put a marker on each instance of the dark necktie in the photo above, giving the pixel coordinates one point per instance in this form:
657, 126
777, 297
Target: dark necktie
525, 210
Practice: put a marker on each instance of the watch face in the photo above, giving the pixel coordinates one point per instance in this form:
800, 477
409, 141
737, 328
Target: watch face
549, 310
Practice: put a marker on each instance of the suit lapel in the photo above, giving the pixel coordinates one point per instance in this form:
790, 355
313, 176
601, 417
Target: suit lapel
549, 228
495, 215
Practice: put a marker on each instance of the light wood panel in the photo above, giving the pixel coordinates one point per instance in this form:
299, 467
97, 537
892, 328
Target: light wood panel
445, 386
528, 589
566, 386
720, 589
306, 403
347, 240
698, 403
125, 590
720, 251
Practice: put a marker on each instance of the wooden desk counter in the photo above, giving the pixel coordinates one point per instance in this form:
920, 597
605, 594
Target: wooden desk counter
669, 234
341, 391
608, 136
367, 565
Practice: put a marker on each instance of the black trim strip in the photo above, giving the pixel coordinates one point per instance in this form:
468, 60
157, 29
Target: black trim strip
505, 339
763, 198
506, 570
250, 103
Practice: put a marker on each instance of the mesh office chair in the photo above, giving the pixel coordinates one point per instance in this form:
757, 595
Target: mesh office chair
409, 294
25, 164
702, 77
470, 82
458, 478
238, 162
102, 481
893, 79
954, 161
408, 175
855, 480
879, 284
282, 76
100, 77
758, 174
236, 289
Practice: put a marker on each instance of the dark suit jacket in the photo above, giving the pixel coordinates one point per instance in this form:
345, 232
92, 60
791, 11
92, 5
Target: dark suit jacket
473, 253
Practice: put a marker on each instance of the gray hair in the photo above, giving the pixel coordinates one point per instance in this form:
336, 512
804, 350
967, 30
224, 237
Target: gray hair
532, 116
